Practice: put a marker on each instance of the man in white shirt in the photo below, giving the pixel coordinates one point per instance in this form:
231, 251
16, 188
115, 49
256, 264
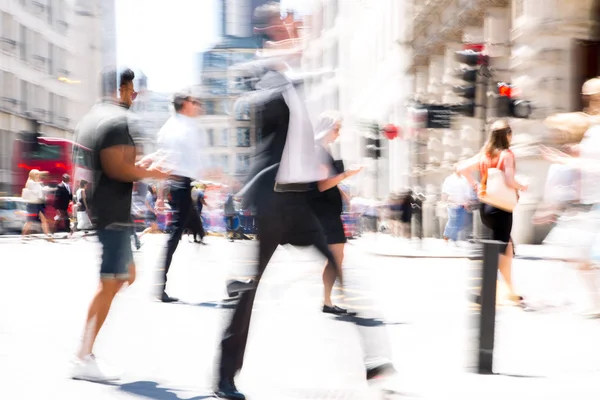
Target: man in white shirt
180, 146
456, 192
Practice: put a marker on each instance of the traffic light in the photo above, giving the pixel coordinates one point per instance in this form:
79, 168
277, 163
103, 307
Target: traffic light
507, 106
373, 148
468, 89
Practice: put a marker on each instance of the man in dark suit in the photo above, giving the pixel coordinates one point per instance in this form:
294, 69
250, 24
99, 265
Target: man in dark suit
285, 168
62, 198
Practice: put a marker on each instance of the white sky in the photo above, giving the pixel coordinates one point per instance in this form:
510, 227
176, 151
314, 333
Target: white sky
162, 38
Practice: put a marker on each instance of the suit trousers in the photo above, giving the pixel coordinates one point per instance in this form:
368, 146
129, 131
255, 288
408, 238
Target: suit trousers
282, 218
182, 207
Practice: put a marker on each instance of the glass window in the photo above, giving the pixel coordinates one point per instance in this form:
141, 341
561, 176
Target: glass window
23, 43
243, 137
224, 142
8, 205
209, 107
44, 152
243, 163
211, 137
224, 163
242, 110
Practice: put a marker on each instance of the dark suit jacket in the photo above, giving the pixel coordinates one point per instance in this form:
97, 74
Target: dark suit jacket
62, 197
272, 119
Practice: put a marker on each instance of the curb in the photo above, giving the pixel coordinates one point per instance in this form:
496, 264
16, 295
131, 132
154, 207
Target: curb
450, 256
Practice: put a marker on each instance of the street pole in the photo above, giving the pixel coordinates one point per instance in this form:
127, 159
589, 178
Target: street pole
487, 315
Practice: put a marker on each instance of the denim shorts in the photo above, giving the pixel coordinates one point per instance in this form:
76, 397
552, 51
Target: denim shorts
116, 253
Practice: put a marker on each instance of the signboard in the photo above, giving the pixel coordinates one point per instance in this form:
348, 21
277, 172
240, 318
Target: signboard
439, 116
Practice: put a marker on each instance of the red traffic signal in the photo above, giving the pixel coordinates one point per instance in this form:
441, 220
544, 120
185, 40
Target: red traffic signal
505, 90
391, 131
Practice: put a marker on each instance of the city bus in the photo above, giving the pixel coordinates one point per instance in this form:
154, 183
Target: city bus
55, 156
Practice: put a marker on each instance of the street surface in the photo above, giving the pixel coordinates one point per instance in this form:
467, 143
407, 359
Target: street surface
166, 351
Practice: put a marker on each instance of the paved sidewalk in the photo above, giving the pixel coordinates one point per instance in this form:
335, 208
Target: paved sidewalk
386, 245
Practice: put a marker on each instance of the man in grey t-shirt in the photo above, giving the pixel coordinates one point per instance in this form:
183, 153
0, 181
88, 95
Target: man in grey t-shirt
104, 130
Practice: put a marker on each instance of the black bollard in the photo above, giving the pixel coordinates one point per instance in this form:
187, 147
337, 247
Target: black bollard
487, 316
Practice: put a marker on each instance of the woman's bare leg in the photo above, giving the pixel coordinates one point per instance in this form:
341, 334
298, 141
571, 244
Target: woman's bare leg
330, 273
505, 267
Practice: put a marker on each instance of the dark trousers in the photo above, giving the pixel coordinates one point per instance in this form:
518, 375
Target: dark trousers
194, 224
181, 203
63, 223
282, 218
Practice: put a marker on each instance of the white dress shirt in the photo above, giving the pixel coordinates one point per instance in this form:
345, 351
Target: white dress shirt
458, 190
299, 161
181, 145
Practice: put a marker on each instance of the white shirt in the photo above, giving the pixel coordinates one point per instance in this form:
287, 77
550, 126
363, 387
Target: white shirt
299, 161
68, 187
36, 191
181, 143
457, 188
589, 149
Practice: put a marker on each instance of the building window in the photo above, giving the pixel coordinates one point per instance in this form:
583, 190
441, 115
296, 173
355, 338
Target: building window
242, 163
224, 163
24, 96
209, 107
210, 132
243, 137
8, 34
9, 89
51, 107
50, 59
49, 12
224, 140
242, 110
258, 135
22, 43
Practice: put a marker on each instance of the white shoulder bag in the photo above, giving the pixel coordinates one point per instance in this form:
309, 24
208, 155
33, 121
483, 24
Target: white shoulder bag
495, 191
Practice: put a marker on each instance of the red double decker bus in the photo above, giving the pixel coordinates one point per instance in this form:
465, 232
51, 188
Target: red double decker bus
55, 156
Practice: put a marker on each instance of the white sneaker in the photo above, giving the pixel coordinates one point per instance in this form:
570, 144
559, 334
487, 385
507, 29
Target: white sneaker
89, 369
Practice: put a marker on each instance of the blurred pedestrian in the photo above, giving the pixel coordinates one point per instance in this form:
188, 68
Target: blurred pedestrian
34, 194
180, 146
62, 199
497, 154
104, 130
327, 203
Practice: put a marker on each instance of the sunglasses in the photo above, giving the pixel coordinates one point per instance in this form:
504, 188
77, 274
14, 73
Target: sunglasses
134, 95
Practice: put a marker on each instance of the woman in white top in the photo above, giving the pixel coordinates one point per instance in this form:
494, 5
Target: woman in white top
34, 195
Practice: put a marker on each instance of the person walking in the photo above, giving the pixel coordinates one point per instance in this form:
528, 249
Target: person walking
327, 204
280, 184
497, 154
62, 199
104, 130
34, 193
180, 150
84, 222
456, 195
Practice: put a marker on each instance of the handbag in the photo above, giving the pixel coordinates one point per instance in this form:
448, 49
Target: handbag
496, 193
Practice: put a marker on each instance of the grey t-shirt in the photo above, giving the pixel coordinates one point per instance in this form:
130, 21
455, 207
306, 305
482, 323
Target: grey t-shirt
103, 127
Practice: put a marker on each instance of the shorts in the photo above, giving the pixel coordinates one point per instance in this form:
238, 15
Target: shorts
34, 210
116, 253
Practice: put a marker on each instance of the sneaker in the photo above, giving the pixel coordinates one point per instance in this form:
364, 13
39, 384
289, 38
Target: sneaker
89, 369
